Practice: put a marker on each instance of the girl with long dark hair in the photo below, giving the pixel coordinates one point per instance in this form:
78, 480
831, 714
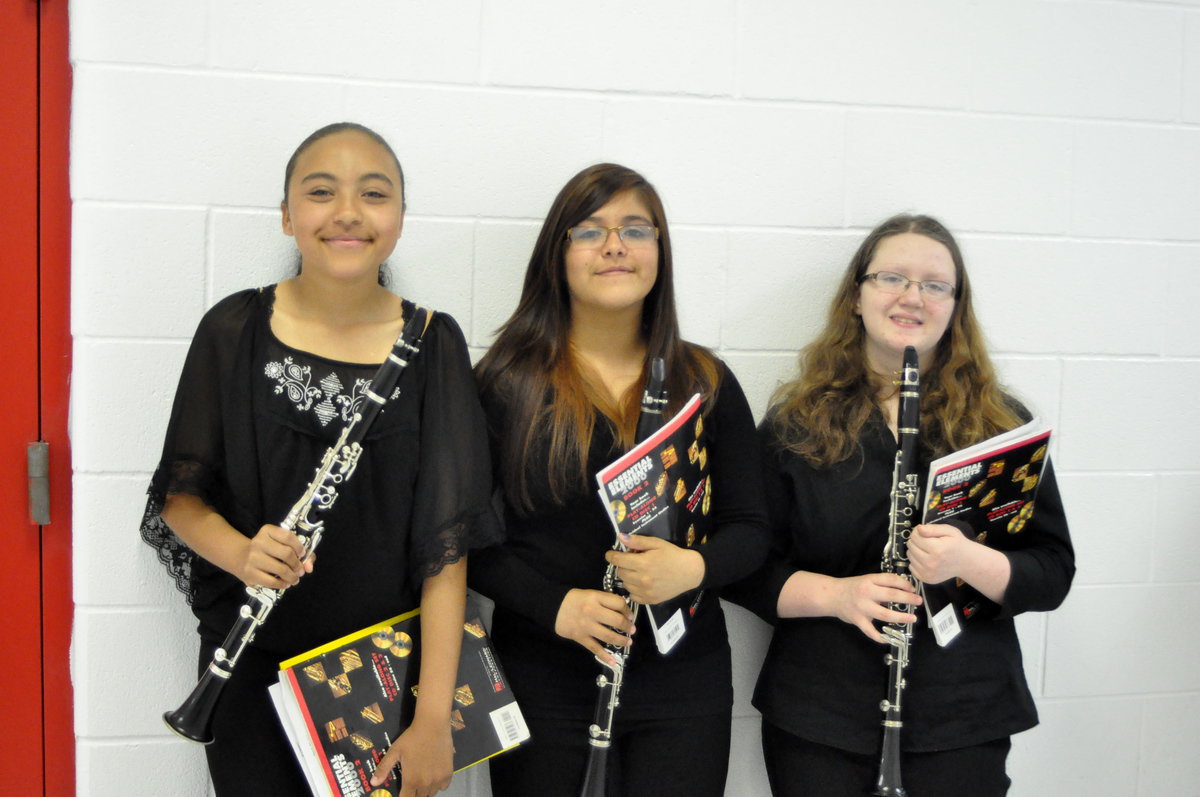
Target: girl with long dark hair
561, 388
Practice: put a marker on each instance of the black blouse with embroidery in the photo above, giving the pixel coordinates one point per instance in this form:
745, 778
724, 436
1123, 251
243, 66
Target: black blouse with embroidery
251, 421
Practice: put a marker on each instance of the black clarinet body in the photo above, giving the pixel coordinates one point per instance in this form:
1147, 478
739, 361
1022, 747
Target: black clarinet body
905, 499
193, 719
650, 419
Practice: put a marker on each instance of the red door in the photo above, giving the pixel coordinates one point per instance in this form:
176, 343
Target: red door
35, 573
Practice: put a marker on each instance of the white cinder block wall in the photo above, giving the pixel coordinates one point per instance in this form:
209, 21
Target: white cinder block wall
1061, 140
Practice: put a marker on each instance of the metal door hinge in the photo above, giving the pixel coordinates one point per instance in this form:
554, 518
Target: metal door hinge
38, 464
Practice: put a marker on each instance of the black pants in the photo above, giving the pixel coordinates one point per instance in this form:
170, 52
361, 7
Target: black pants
251, 755
799, 768
648, 758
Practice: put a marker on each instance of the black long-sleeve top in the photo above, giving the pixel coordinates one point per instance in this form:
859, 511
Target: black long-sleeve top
559, 548
251, 421
823, 679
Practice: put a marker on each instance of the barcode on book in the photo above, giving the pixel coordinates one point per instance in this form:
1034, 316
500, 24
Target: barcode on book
670, 632
945, 625
510, 725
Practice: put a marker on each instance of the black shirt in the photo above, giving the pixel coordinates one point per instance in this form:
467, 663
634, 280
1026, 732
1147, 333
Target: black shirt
252, 419
823, 679
558, 548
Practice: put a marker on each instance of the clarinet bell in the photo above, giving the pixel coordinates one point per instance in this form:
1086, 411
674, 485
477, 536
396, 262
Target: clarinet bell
193, 719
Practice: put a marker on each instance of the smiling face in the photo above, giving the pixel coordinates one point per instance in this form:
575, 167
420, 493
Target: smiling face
893, 321
344, 206
617, 275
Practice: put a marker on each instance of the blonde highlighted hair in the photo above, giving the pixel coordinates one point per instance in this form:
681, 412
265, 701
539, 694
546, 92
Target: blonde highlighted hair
551, 400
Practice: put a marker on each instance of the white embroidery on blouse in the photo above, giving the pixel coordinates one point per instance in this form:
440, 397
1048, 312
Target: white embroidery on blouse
296, 381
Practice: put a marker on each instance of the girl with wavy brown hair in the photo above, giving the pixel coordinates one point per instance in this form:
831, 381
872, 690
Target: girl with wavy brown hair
561, 388
829, 446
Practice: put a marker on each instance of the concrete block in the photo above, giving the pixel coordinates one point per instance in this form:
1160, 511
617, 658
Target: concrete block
418, 41
1122, 640
733, 163
760, 375
747, 774
1036, 383
1123, 415
433, 266
1082, 747
1111, 542
106, 516
1168, 767
786, 51
1134, 181
1191, 67
1183, 295
502, 252
159, 250
121, 401
145, 136
482, 153
1121, 63
1176, 557
1020, 285
700, 258
748, 640
973, 173
126, 767
139, 32
248, 250
671, 47
779, 286
118, 695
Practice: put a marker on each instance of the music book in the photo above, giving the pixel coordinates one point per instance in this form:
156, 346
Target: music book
663, 487
343, 704
992, 486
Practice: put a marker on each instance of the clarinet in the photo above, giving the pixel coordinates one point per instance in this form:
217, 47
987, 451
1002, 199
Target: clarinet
895, 560
650, 419
193, 719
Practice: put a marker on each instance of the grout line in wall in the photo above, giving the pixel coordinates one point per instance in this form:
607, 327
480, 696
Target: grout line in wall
124, 741
850, 230
629, 94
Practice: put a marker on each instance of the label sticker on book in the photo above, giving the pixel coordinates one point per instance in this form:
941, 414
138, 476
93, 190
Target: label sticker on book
670, 632
510, 725
945, 625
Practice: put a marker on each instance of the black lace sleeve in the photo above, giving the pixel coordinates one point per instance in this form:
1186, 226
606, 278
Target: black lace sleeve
192, 451
454, 480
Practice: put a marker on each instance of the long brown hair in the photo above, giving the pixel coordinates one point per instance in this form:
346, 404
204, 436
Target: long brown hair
551, 401
821, 413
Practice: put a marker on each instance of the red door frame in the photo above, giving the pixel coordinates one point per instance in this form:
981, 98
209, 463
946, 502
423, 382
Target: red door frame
54, 262
20, 576
35, 577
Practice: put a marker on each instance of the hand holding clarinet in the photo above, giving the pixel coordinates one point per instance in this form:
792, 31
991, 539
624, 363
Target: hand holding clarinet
272, 561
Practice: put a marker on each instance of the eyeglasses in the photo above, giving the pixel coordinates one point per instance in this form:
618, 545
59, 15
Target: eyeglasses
590, 236
890, 282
